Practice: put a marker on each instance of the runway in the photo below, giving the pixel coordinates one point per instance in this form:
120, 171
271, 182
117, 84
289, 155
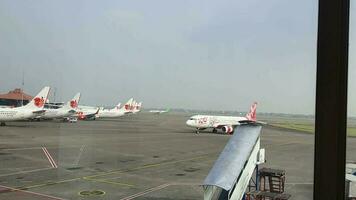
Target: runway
142, 156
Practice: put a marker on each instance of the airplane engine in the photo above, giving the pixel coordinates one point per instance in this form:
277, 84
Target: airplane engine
227, 129
81, 116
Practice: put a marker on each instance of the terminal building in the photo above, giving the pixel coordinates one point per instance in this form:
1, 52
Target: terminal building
15, 98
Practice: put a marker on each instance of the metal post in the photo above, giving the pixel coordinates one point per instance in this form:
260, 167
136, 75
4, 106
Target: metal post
331, 99
257, 178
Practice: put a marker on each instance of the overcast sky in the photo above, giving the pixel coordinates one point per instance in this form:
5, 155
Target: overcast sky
215, 55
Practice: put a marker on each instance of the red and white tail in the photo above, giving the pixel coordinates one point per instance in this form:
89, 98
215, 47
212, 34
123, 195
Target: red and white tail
39, 100
133, 107
251, 115
128, 106
73, 103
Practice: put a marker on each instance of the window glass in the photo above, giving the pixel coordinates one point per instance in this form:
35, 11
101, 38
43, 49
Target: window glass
152, 65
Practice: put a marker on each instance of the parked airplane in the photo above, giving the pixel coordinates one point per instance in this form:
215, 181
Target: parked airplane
159, 111
31, 110
225, 123
67, 110
129, 106
111, 113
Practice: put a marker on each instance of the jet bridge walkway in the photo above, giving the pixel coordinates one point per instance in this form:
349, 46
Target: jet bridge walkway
232, 171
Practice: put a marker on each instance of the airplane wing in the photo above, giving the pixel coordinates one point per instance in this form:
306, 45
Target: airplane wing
252, 122
219, 125
238, 123
92, 115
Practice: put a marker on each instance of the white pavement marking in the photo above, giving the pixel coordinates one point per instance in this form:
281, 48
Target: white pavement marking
35, 193
146, 191
25, 172
49, 157
20, 149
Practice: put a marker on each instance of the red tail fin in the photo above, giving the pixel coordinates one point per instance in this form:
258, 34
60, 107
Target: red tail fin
252, 114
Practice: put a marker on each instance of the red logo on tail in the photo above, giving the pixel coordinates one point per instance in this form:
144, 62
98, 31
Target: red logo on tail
39, 102
252, 114
127, 107
73, 103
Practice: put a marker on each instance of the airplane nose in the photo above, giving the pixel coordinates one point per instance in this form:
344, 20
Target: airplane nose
188, 122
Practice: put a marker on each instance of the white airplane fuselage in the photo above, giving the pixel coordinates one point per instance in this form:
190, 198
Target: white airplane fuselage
211, 121
58, 113
226, 123
110, 113
16, 114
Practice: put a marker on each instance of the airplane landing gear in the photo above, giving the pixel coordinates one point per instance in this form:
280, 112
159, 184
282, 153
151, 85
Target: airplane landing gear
197, 131
214, 130
2, 124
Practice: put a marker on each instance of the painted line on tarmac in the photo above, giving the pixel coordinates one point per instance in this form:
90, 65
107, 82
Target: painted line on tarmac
147, 166
33, 148
49, 157
25, 172
48, 184
91, 178
109, 182
20, 149
186, 184
146, 191
29, 192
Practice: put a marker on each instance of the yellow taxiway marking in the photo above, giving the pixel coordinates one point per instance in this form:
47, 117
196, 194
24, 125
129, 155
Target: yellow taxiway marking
109, 182
154, 189
92, 177
147, 166
48, 184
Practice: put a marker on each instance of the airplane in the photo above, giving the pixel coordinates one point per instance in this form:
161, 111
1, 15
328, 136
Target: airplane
129, 106
159, 111
111, 113
117, 111
67, 110
92, 113
225, 123
31, 110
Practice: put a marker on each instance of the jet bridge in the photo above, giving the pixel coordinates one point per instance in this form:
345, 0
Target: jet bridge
232, 171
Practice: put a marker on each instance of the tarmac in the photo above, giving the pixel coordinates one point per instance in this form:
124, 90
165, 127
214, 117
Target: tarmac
141, 156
